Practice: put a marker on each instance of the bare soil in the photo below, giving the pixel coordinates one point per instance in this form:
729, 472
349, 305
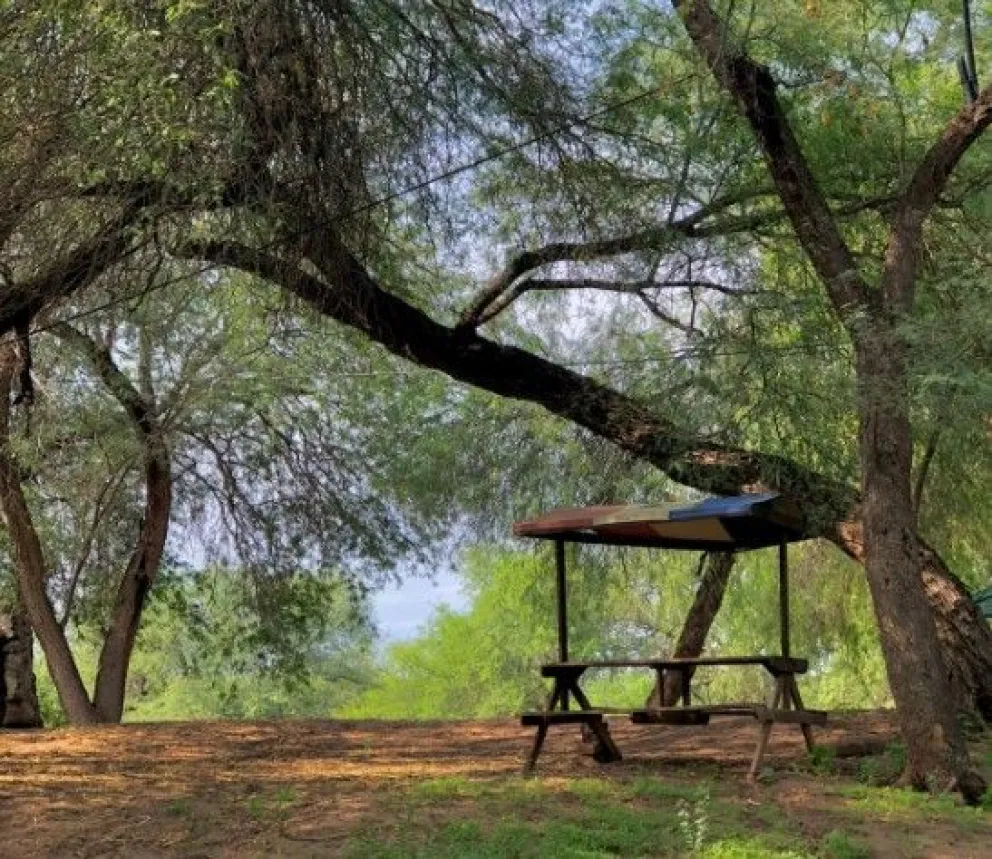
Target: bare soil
301, 788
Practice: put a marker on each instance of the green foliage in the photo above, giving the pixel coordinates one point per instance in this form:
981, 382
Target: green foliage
221, 644
883, 769
484, 662
823, 760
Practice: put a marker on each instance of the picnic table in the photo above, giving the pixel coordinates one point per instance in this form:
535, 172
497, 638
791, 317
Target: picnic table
720, 524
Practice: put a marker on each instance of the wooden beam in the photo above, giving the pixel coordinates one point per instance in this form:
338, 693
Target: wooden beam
783, 595
562, 593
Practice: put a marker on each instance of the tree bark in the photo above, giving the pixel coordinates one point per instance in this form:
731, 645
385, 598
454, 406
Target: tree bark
31, 571
132, 593
965, 636
138, 576
937, 757
716, 568
19, 705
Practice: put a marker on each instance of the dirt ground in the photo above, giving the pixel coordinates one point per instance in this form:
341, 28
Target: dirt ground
300, 788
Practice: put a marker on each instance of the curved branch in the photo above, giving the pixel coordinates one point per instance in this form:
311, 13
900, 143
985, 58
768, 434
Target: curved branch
637, 287
139, 409
502, 289
922, 194
753, 88
352, 297
74, 271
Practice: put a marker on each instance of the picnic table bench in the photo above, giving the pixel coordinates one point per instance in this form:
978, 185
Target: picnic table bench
785, 704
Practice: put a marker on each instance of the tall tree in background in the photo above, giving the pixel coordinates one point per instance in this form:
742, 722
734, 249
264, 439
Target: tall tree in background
201, 413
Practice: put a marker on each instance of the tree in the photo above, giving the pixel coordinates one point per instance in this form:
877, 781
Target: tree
223, 643
18, 691
204, 415
872, 315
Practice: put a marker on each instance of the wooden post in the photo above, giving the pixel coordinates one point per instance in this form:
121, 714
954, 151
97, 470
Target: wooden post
783, 595
562, 609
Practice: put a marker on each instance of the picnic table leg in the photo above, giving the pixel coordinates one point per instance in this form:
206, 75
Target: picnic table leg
793, 689
656, 699
535, 751
765, 731
557, 693
606, 751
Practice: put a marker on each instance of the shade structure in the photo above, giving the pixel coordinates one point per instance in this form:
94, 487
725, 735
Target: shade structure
732, 523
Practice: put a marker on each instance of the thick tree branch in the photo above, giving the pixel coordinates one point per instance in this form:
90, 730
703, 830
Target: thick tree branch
753, 88
139, 409
352, 297
74, 271
922, 194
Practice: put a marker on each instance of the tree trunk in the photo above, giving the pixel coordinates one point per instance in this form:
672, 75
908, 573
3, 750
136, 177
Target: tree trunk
19, 705
132, 593
31, 573
965, 636
692, 639
937, 758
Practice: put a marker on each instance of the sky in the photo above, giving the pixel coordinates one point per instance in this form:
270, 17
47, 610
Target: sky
402, 610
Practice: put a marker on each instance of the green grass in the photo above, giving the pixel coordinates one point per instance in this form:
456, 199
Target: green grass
837, 844
579, 817
179, 807
894, 804
622, 832
598, 817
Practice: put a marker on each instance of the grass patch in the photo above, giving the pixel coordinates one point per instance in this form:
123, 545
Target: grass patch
894, 803
261, 808
749, 848
449, 787
837, 844
578, 817
646, 787
617, 831
179, 807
